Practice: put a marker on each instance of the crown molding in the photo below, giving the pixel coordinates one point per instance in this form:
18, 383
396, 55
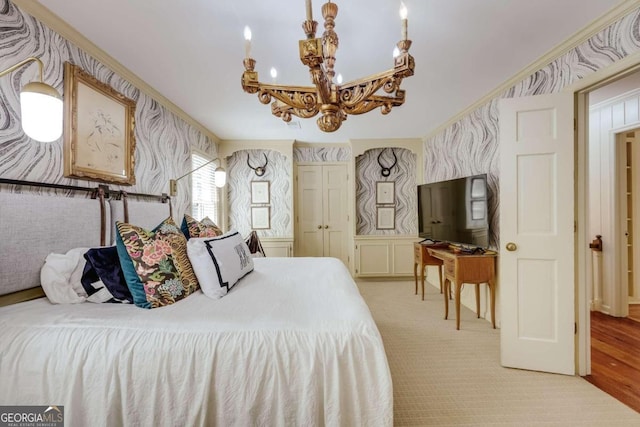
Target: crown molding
54, 22
227, 147
300, 144
616, 13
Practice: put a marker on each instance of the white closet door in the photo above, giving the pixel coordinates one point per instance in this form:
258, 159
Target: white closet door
322, 211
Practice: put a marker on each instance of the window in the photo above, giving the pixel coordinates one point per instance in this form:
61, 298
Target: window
205, 196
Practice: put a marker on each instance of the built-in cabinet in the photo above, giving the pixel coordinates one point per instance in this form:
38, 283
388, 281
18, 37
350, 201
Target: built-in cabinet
322, 211
384, 256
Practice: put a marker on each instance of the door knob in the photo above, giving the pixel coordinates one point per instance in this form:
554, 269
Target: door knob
326, 226
511, 246
319, 227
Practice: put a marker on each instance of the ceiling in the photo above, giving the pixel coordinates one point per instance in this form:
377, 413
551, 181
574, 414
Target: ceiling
191, 52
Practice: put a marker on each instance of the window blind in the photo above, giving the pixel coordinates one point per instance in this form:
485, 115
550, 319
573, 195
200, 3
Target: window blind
205, 200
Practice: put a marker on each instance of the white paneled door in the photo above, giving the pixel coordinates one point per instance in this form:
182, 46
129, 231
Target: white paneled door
322, 211
537, 284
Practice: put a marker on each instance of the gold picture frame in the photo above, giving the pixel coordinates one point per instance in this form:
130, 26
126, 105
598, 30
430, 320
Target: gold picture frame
385, 217
385, 192
260, 217
99, 140
260, 192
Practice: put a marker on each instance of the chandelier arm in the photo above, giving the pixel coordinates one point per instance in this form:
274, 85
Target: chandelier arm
356, 92
385, 102
301, 97
369, 78
284, 111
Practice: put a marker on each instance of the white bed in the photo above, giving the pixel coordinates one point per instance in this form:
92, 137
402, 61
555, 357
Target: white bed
293, 343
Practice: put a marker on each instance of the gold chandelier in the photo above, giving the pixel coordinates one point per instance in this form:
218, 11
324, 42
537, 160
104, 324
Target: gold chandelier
333, 101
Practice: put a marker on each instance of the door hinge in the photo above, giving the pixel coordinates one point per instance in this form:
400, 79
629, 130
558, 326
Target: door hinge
575, 329
575, 226
356, 271
356, 247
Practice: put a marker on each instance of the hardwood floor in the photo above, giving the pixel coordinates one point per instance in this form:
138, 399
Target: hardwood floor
615, 357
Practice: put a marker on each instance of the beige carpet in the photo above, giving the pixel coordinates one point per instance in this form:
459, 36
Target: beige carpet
446, 377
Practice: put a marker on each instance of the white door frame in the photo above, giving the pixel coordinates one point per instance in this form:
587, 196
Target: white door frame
582, 88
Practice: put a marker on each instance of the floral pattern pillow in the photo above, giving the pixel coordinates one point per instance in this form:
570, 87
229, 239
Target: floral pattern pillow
191, 227
160, 261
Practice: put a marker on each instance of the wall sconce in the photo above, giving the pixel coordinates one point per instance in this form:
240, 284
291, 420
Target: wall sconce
219, 174
40, 106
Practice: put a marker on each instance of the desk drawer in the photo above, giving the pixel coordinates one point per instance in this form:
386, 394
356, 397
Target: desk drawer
450, 267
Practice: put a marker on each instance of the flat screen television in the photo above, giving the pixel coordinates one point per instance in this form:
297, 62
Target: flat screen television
455, 211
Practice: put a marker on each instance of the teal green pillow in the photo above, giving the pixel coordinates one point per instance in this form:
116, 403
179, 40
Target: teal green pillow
130, 276
135, 285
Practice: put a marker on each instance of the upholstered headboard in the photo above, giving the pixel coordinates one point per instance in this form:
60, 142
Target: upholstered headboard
143, 214
33, 226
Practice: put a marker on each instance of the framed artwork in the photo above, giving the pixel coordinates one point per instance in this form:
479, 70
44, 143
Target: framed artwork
385, 217
99, 141
260, 217
385, 192
260, 192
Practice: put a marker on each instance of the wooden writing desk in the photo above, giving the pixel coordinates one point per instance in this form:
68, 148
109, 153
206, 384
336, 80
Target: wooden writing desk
472, 269
422, 257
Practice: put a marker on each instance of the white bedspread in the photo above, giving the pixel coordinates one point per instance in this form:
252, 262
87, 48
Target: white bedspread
293, 344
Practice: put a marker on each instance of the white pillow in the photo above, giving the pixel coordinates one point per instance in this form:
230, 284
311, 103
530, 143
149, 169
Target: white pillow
60, 277
219, 262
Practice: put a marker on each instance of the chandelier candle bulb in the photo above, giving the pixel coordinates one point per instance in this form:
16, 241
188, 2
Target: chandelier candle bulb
247, 42
309, 10
403, 16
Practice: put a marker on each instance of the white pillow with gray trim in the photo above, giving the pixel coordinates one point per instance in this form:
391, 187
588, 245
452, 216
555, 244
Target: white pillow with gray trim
219, 262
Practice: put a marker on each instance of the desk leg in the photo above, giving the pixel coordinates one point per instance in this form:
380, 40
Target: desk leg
422, 276
447, 284
478, 299
415, 275
440, 277
492, 289
458, 288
